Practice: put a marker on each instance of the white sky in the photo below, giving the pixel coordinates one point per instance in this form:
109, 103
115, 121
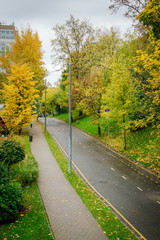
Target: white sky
42, 15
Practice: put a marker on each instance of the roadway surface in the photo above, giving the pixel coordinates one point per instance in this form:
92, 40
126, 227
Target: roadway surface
131, 191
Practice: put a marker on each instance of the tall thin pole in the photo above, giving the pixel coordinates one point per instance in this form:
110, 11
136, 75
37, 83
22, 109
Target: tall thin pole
108, 131
70, 121
45, 107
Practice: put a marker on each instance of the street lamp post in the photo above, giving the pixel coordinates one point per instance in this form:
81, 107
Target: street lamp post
70, 108
45, 107
70, 121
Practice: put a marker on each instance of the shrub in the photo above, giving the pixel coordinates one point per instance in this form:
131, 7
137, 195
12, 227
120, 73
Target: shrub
10, 201
11, 152
25, 172
3, 174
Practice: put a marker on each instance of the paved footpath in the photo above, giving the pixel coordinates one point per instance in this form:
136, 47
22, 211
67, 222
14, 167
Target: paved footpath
69, 217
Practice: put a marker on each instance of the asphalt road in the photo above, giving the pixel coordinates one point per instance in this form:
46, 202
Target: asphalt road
133, 192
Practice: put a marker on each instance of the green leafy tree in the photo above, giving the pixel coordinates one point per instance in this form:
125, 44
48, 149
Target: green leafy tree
68, 41
150, 16
96, 75
93, 87
121, 95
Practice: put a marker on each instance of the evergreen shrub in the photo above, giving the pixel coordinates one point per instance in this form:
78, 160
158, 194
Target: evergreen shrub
3, 173
10, 201
11, 152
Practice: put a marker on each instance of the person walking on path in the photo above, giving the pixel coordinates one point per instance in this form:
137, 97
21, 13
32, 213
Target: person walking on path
70, 219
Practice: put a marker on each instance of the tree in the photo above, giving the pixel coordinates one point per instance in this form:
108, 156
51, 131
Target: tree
19, 95
150, 16
97, 60
1, 86
68, 42
92, 90
147, 64
50, 101
26, 49
70, 36
120, 96
133, 7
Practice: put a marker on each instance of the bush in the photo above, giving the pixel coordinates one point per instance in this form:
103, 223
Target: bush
3, 174
25, 172
10, 201
11, 152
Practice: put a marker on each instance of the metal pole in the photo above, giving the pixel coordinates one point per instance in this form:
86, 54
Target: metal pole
45, 107
108, 131
70, 121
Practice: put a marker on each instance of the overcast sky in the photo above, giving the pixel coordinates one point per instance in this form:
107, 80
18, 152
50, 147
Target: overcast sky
42, 15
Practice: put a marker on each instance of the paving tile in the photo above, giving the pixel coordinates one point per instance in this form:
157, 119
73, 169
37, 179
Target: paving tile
69, 217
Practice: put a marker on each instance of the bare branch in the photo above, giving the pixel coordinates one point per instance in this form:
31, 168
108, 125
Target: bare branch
133, 7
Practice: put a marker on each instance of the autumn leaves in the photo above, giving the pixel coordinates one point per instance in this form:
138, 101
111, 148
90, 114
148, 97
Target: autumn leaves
22, 76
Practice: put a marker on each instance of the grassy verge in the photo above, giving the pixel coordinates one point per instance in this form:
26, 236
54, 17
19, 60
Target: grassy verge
111, 226
143, 145
32, 223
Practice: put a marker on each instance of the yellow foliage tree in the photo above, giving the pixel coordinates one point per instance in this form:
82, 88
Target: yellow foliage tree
149, 62
19, 95
150, 16
26, 49
50, 101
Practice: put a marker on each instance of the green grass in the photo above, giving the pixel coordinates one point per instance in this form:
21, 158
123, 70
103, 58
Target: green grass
64, 117
32, 223
111, 226
143, 145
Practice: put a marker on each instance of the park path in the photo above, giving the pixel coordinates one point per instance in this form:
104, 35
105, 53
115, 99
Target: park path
69, 217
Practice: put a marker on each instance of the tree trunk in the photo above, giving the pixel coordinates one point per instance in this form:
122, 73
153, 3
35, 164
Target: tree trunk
80, 113
20, 131
125, 140
124, 133
99, 130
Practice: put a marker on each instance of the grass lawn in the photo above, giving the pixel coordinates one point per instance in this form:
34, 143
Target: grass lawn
32, 223
110, 224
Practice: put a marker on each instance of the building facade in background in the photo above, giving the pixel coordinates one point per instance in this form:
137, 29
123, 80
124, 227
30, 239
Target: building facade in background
7, 36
